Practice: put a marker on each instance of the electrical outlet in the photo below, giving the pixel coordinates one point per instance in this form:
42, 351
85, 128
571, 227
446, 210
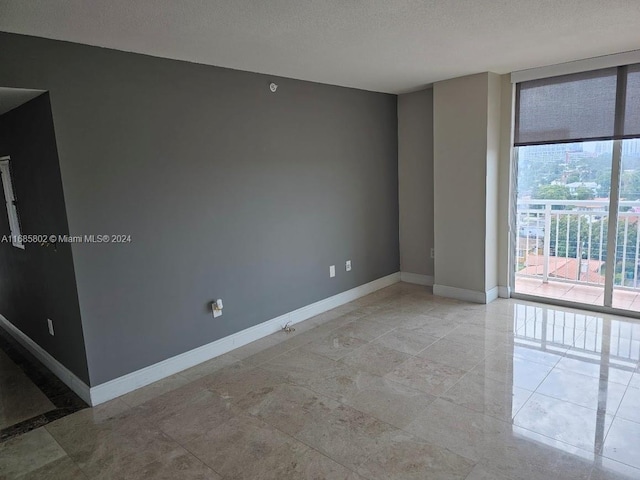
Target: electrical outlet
50, 325
216, 308
347, 265
332, 271
432, 253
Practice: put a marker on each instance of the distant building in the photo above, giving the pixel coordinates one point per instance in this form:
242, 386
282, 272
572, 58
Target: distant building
573, 187
631, 148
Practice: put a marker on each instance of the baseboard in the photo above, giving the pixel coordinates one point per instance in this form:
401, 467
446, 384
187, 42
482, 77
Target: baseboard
466, 295
127, 383
492, 294
504, 292
416, 278
59, 370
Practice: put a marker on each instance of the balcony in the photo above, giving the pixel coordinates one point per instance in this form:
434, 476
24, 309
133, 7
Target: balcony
561, 251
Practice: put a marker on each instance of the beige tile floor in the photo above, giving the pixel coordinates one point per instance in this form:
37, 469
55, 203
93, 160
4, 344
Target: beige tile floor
396, 385
20, 398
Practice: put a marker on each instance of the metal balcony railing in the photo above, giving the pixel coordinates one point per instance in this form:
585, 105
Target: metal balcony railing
555, 331
566, 241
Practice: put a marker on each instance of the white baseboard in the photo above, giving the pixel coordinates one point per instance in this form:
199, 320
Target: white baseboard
492, 294
127, 383
504, 292
59, 370
466, 295
416, 278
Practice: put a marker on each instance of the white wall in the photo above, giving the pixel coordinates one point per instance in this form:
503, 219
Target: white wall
507, 91
492, 179
472, 145
415, 176
454, 165
460, 154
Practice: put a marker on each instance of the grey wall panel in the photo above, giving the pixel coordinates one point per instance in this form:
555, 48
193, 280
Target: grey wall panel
39, 282
227, 190
460, 135
415, 171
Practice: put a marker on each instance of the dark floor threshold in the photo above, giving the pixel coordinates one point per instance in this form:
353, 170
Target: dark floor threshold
63, 398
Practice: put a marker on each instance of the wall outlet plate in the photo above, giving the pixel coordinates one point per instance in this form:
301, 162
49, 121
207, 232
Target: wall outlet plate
332, 271
216, 308
347, 265
50, 325
432, 252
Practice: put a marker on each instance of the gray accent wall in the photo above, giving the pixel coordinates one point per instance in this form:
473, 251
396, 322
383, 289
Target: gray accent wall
39, 282
415, 172
227, 190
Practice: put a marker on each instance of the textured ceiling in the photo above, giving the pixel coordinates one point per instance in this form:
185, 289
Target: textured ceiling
381, 45
11, 98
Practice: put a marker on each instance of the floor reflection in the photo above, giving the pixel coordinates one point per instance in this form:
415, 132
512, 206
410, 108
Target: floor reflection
582, 372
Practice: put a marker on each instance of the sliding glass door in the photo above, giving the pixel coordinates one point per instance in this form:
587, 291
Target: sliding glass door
562, 217
626, 271
577, 156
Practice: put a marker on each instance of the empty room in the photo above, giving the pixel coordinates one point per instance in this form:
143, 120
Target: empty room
331, 240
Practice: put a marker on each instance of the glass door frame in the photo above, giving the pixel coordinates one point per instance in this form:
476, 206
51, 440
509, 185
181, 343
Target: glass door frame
612, 229
612, 232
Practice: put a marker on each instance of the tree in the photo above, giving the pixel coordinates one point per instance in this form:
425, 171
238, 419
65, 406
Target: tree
566, 228
573, 177
583, 193
630, 185
564, 235
553, 192
603, 179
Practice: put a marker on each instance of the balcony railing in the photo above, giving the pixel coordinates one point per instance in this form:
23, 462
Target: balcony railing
566, 241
